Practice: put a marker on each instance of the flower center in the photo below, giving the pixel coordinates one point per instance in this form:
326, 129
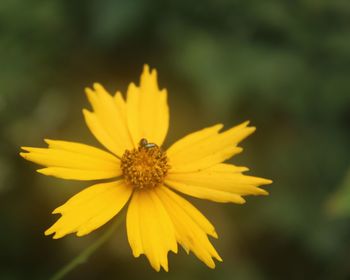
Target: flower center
146, 166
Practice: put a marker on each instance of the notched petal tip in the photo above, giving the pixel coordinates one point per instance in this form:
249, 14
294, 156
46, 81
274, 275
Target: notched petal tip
43, 171
58, 235
187, 250
98, 87
165, 267
148, 74
58, 210
174, 249
119, 96
136, 254
263, 192
130, 93
146, 68
261, 181
86, 111
245, 123
26, 148
240, 201
211, 264
50, 142
23, 154
252, 129
95, 88
214, 234
245, 126
50, 231
217, 127
54, 233
81, 233
89, 91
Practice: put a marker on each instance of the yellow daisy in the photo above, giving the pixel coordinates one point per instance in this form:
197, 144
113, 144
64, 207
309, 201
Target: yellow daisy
140, 170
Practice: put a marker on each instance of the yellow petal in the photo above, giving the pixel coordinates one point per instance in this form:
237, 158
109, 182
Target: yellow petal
70, 160
90, 209
108, 122
147, 109
206, 147
191, 227
150, 230
220, 183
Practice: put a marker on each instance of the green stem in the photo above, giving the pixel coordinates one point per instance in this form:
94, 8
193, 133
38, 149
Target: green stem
84, 255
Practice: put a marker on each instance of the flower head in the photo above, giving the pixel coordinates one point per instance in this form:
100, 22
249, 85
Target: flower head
144, 174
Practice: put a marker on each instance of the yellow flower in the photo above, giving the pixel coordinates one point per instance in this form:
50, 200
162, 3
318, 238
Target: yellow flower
133, 130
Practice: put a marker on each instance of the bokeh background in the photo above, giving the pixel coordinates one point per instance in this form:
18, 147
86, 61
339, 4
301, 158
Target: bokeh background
284, 65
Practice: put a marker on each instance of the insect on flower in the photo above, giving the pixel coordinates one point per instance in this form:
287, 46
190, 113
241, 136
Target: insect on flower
144, 143
145, 176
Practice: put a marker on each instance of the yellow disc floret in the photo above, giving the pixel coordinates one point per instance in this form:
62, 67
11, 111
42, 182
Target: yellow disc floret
146, 166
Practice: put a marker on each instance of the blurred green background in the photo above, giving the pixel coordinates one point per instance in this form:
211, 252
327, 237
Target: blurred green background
284, 65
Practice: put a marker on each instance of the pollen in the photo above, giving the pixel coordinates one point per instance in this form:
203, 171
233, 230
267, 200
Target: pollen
146, 166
